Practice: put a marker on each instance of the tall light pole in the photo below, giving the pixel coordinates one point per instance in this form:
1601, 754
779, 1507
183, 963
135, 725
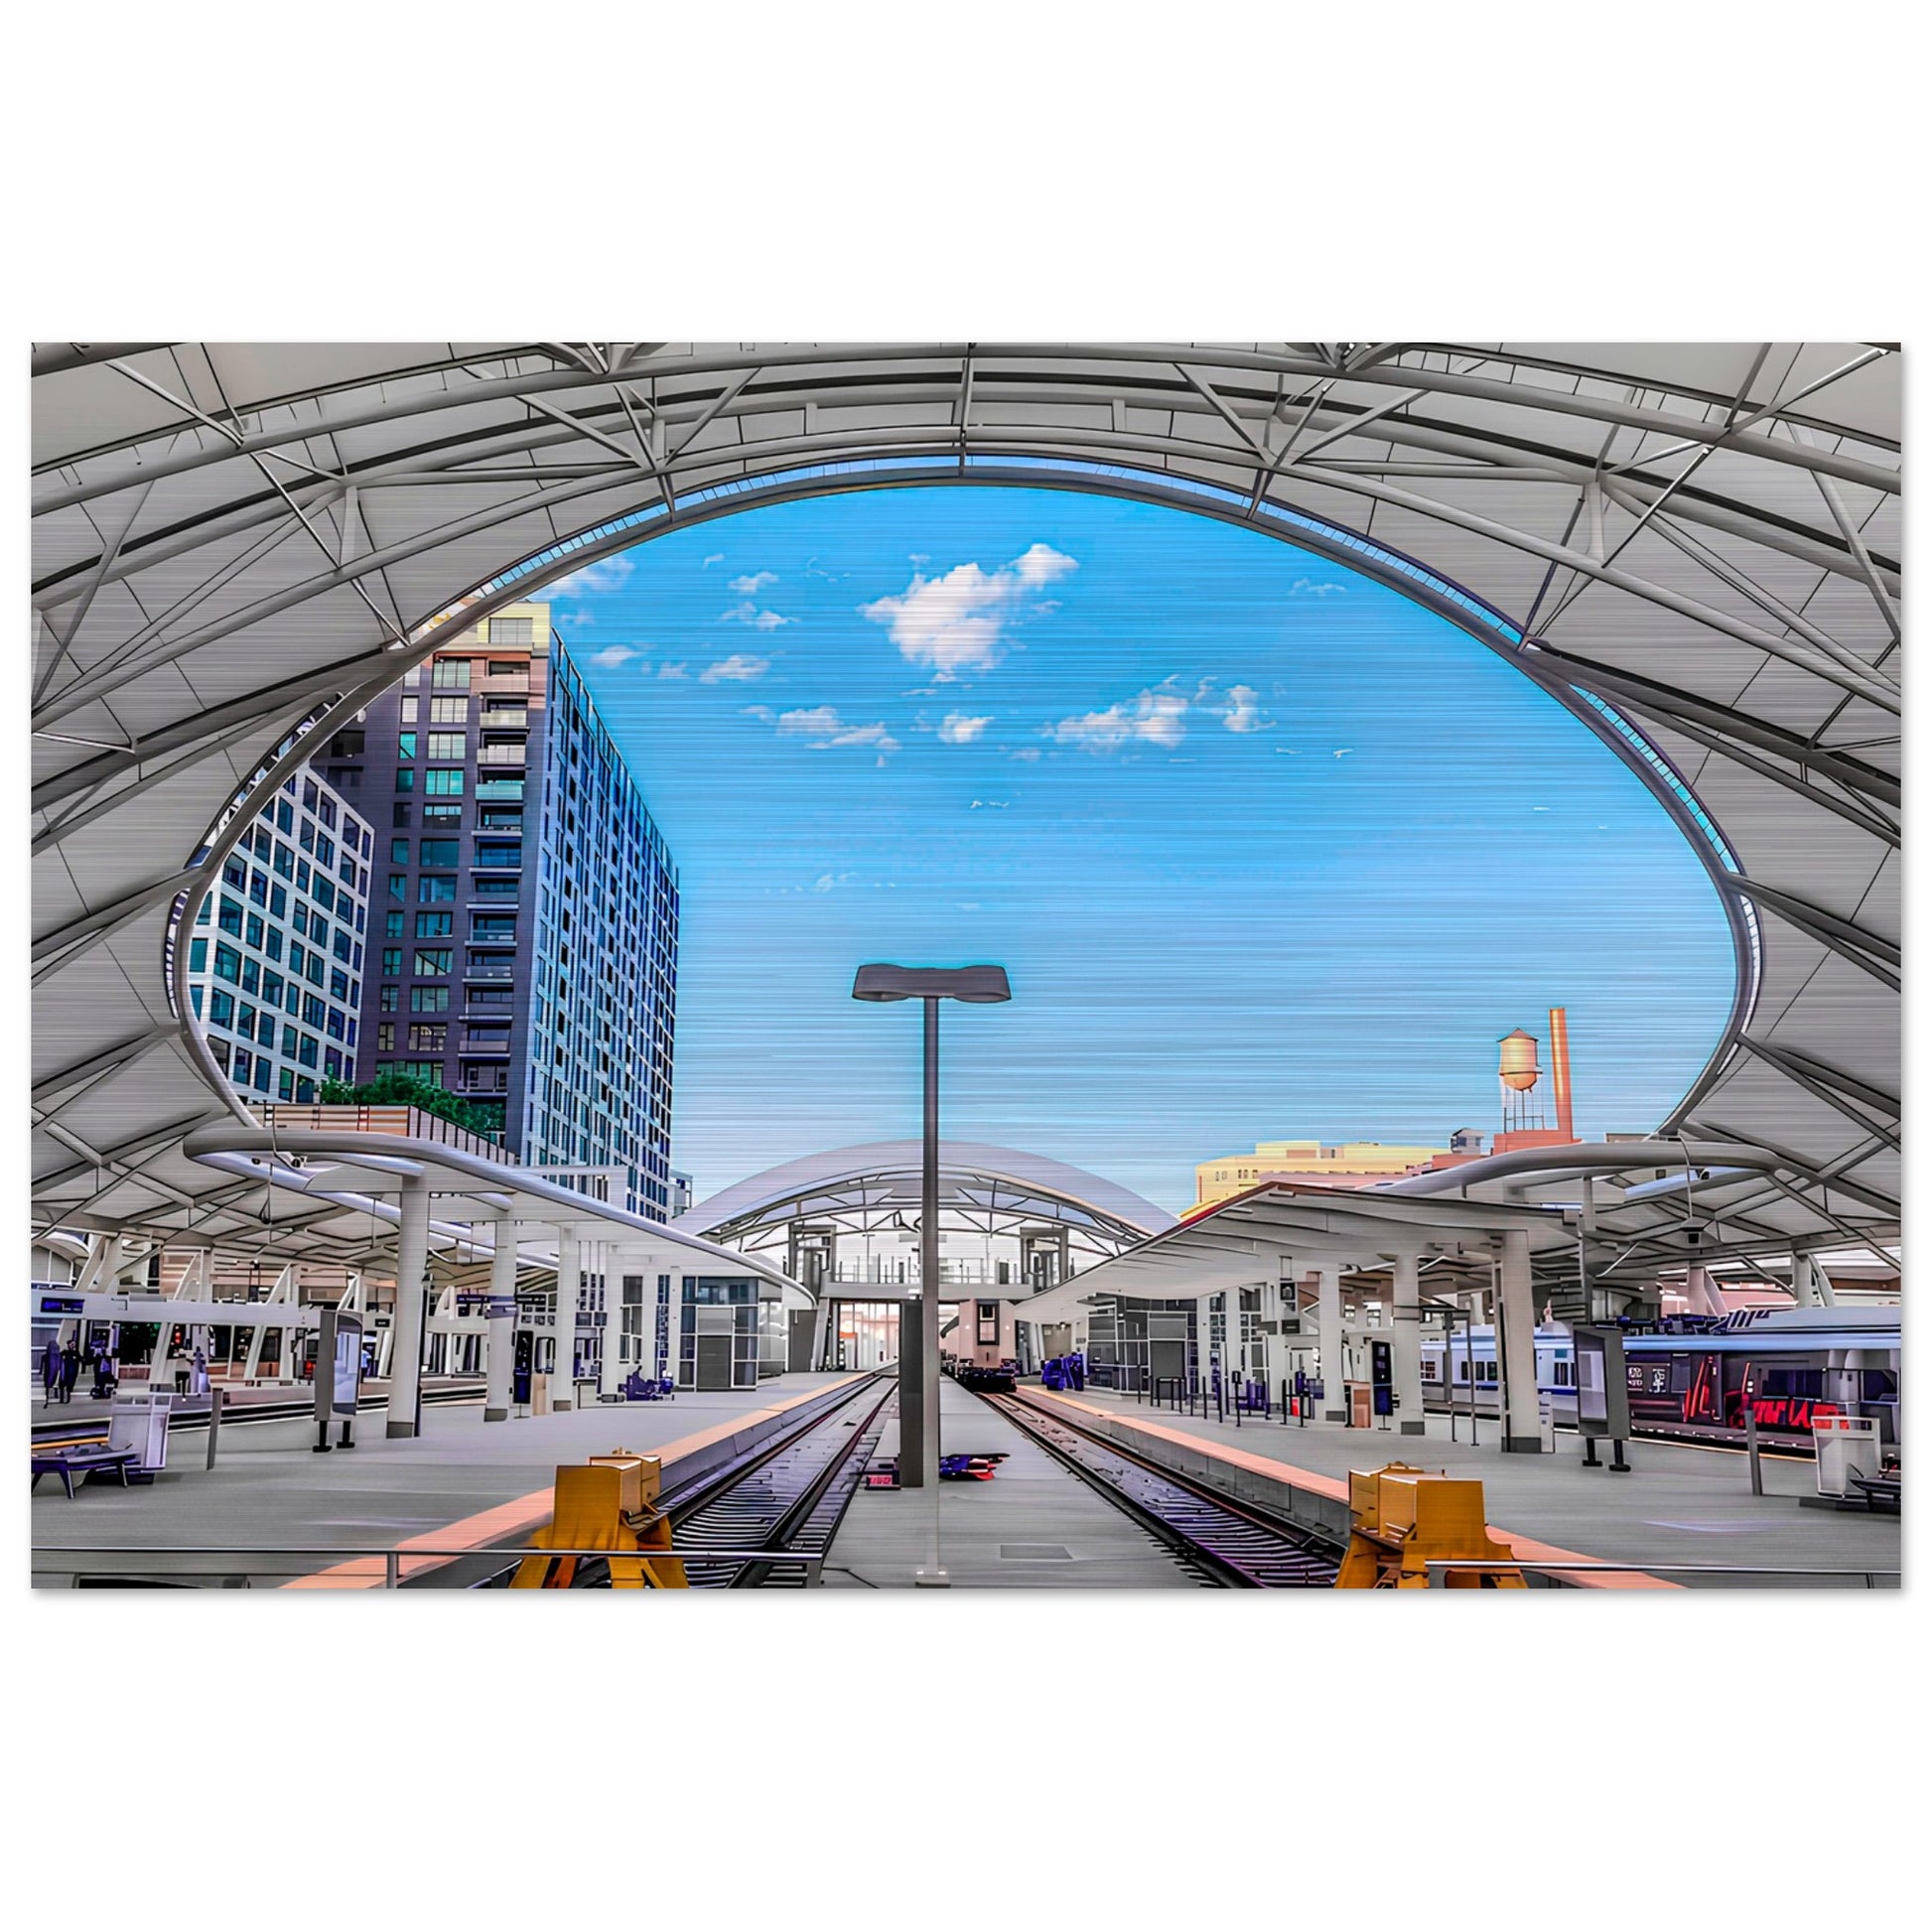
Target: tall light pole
919, 1354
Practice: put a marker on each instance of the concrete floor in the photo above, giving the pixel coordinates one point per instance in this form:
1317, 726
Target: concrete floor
269, 1488
1679, 1503
997, 1535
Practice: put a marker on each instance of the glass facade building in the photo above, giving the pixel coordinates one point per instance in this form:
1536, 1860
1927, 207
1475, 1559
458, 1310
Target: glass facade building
275, 957
527, 956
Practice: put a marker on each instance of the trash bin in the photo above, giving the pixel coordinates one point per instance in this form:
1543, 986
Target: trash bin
1847, 1446
1546, 1422
1362, 1405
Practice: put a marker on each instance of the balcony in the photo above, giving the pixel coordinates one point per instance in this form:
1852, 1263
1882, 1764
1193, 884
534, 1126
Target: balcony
504, 718
517, 755
411, 1122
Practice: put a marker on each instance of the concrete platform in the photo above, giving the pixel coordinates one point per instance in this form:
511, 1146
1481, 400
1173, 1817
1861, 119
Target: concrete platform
1035, 1526
463, 1482
1680, 1504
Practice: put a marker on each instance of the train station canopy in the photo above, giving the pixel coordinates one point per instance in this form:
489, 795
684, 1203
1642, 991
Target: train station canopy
875, 1190
1693, 547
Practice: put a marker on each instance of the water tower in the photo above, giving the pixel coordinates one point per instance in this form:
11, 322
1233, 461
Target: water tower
1518, 1076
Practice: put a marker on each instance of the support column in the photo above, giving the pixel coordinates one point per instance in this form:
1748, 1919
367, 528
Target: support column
1406, 1344
609, 1372
1803, 1287
1204, 1339
499, 1345
1522, 1433
1334, 1396
406, 1331
569, 1278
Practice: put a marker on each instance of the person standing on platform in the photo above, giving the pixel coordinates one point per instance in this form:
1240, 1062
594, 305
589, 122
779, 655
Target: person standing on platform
197, 1377
70, 1371
184, 1370
50, 1367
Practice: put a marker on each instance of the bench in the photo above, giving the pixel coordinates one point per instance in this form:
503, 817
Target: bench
1879, 1491
67, 1463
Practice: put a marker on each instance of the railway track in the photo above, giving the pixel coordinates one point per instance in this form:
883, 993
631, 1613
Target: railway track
787, 1494
1224, 1542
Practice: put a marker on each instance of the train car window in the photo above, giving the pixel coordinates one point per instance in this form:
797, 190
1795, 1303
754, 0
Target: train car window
1878, 1385
1461, 1371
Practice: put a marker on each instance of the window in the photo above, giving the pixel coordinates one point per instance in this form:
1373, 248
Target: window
435, 925
442, 852
243, 1067
430, 1070
274, 946
288, 1083
428, 1035
318, 930
385, 1034
405, 780
312, 970
258, 886
500, 852
342, 946
435, 888
444, 783
278, 902
442, 814
392, 960
452, 673
221, 1007
446, 744
284, 816
405, 744
513, 630
314, 1012
429, 998
198, 955
393, 926
492, 888
325, 850
433, 963
334, 1026
284, 860
230, 915
399, 812
220, 1049
399, 851
272, 988
228, 963
501, 818
448, 711
399, 885
409, 707
389, 996
493, 925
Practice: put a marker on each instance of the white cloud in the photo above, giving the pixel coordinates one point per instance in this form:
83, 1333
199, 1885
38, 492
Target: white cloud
1028, 755
751, 585
827, 880
953, 624
716, 557
822, 726
991, 804
613, 655
671, 670
1241, 713
1309, 587
738, 668
607, 574
1154, 717
958, 728
748, 612
1344, 752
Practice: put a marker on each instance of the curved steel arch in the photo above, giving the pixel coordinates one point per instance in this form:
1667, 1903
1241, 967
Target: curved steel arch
1700, 540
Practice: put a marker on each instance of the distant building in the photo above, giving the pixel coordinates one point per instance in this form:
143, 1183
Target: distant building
529, 909
275, 957
1352, 1164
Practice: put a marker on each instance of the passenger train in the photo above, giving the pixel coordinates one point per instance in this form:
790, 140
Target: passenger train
1692, 1375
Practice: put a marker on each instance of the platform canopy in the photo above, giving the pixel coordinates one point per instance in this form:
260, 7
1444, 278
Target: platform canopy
1695, 547
875, 1190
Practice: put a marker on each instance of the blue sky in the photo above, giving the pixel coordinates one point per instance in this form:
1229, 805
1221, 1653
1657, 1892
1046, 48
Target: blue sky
1267, 851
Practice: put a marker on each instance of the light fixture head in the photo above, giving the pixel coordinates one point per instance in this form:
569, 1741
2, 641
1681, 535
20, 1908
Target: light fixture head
974, 985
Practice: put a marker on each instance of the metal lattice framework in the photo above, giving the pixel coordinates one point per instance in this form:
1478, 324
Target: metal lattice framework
1695, 547
875, 1190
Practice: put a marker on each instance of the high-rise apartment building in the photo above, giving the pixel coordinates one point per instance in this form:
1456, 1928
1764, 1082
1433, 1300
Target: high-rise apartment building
275, 957
527, 956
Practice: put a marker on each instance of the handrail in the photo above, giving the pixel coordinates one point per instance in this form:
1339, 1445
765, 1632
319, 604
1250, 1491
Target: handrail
1440, 1566
394, 1558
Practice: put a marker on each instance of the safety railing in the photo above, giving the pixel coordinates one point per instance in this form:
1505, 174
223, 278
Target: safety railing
1440, 1569
394, 1559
